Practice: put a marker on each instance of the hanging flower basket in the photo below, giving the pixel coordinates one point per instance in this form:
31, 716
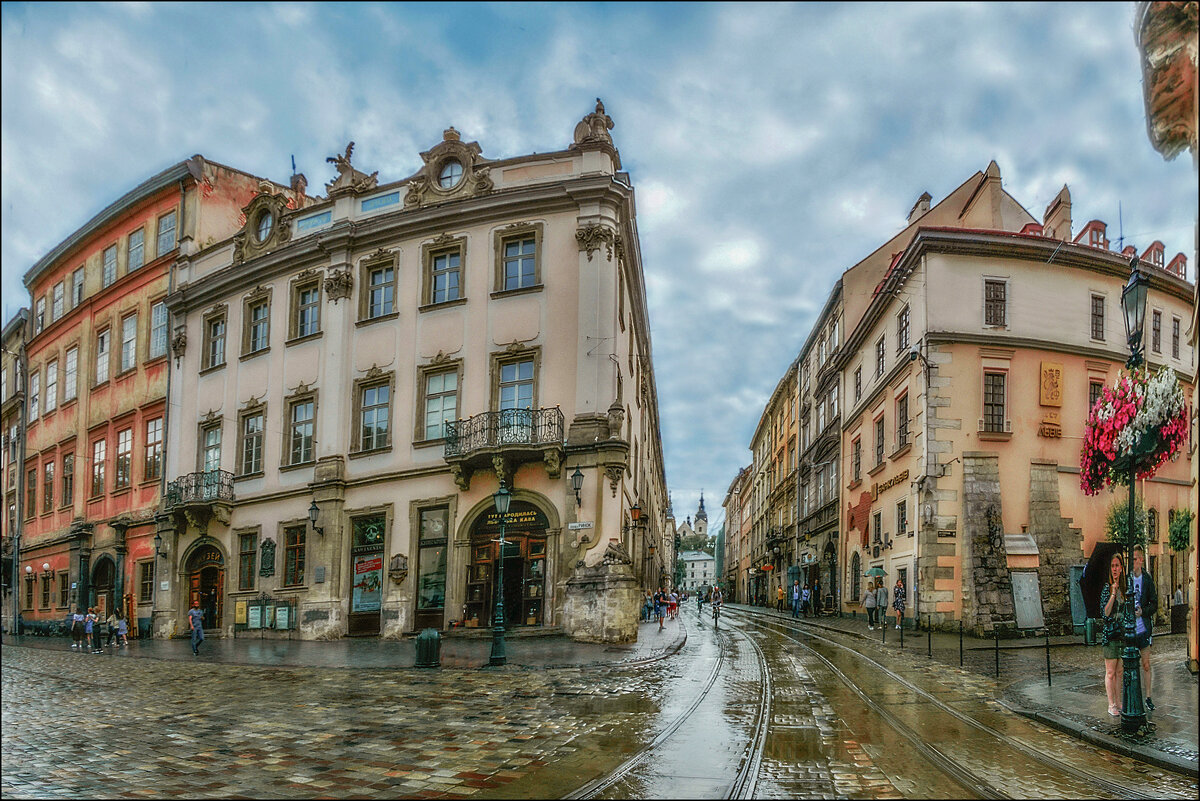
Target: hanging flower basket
1143, 418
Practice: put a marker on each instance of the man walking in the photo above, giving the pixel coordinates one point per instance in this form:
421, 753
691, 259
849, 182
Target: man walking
796, 598
1145, 606
196, 624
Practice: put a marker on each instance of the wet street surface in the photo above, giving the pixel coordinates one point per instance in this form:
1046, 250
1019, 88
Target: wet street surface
755, 706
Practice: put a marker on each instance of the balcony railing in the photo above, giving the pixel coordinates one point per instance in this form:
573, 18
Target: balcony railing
507, 427
200, 488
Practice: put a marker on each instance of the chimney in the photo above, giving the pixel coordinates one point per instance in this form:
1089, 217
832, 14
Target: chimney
918, 210
299, 184
1178, 266
1057, 220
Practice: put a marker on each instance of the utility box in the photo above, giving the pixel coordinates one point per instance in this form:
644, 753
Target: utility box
429, 649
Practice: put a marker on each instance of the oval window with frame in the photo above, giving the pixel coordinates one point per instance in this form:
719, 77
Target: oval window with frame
450, 174
266, 221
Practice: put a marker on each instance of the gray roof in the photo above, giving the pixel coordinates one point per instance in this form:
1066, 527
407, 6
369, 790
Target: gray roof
696, 556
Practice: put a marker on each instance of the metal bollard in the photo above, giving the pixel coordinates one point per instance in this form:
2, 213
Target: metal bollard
429, 649
960, 643
884, 629
996, 636
929, 636
1048, 682
901, 632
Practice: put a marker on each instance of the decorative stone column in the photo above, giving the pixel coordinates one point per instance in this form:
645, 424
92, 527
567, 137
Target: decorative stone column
600, 604
164, 622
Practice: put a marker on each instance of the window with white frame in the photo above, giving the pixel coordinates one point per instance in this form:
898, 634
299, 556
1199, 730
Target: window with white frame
374, 415
902, 330
880, 350
129, 342
39, 315
902, 421
258, 322
137, 250
166, 234
35, 394
444, 276
110, 266
51, 385
58, 304
77, 287
158, 329
71, 374
154, 449
102, 358
98, 463
250, 451
301, 430
214, 341
123, 468
210, 447
381, 291
306, 309
902, 518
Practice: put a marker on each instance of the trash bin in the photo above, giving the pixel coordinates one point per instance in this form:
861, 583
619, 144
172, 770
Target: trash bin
1089, 631
429, 649
1179, 619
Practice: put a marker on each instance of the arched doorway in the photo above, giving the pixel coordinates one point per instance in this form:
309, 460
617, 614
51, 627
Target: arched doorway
524, 582
206, 583
104, 580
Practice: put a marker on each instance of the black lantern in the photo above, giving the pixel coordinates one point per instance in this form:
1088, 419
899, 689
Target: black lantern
577, 485
158, 541
1133, 304
313, 511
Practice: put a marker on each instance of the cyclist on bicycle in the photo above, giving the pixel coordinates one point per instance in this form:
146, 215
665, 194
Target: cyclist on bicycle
716, 599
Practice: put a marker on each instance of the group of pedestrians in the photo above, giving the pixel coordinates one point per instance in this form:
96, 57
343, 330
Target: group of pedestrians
85, 630
1145, 605
875, 601
804, 599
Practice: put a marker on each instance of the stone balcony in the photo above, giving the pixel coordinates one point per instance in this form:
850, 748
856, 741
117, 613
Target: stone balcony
201, 496
502, 440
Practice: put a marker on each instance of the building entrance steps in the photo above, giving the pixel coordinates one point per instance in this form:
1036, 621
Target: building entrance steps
524, 653
1074, 702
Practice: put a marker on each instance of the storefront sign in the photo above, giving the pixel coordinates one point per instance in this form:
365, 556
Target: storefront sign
580, 525
887, 485
1051, 385
368, 583
1050, 427
520, 515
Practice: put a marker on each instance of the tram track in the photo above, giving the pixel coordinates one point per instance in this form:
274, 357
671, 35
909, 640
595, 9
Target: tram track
966, 776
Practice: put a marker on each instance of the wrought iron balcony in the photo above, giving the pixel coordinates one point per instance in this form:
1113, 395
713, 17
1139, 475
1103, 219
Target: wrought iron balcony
499, 440
200, 489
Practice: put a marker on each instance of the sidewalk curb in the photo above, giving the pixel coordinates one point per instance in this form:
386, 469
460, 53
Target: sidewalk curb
1152, 756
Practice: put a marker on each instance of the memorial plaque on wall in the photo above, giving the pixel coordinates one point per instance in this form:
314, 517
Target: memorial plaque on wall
1027, 599
1051, 385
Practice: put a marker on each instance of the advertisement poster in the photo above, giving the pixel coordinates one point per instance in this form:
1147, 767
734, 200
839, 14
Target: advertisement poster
255, 618
368, 583
281, 617
239, 613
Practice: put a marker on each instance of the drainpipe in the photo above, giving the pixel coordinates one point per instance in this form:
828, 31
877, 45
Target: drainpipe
22, 382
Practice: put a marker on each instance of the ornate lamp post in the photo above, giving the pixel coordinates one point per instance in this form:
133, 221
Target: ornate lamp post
1133, 303
502, 498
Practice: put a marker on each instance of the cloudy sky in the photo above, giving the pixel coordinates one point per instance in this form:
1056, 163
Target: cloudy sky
771, 146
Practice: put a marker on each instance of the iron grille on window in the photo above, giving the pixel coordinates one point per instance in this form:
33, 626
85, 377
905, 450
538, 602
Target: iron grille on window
993, 402
994, 293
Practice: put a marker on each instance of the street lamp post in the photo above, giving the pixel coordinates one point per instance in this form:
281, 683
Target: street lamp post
1133, 304
502, 499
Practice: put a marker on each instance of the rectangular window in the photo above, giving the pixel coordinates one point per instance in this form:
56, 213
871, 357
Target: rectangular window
431, 565
166, 234
77, 287
1156, 331
35, 395
293, 571
48, 487
210, 448
902, 518
68, 479
110, 266
58, 305
123, 472
444, 275
102, 356
307, 300
381, 292
98, 458
46, 591
30, 583
129, 343
214, 341
879, 358
516, 385
258, 322
250, 451
247, 551
995, 295
137, 250
374, 408
879, 441
52, 385
300, 431
1095, 392
39, 315
857, 384
71, 375
314, 221
902, 421
1174, 337
1097, 317
441, 403
64, 590
993, 401
158, 329
878, 526
145, 581
902, 331
856, 461
31, 493
380, 201
520, 262
154, 448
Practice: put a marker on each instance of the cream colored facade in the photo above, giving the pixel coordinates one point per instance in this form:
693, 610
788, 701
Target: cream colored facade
984, 339
736, 577
772, 511
392, 352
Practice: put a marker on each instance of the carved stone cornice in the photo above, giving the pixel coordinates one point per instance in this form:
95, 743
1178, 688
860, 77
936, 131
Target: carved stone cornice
593, 237
339, 284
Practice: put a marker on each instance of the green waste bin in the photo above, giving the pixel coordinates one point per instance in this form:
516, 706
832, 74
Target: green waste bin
429, 649
1090, 628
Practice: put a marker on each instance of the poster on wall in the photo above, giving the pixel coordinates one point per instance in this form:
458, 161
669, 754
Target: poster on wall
282, 617
239, 613
254, 620
368, 583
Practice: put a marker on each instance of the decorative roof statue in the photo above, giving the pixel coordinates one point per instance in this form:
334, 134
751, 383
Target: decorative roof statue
349, 179
592, 132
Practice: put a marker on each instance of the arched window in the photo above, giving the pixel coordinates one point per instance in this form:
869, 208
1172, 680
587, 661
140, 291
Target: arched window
1152, 525
855, 576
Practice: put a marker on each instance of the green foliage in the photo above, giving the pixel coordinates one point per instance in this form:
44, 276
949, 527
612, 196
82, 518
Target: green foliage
1116, 522
695, 542
1179, 531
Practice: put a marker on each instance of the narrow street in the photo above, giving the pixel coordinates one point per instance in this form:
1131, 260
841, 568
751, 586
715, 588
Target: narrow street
754, 706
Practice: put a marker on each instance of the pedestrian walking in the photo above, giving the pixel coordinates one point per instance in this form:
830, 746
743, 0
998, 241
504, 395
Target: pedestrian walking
1145, 607
91, 628
660, 601
868, 602
648, 607
881, 602
779, 598
805, 600
1112, 598
672, 604
78, 629
196, 624
796, 598
1178, 595
815, 606
111, 623
898, 601
122, 630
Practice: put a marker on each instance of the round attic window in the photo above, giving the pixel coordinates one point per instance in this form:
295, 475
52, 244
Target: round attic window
266, 221
450, 175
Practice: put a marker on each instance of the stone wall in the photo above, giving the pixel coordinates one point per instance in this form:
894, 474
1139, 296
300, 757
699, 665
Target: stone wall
1060, 545
601, 603
987, 587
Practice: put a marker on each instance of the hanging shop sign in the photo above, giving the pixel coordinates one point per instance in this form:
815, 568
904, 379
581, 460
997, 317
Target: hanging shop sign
887, 485
520, 515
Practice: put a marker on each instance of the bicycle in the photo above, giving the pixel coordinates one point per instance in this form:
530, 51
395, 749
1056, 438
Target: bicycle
716, 612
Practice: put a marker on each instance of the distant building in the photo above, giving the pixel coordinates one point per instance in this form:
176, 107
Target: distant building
12, 456
699, 570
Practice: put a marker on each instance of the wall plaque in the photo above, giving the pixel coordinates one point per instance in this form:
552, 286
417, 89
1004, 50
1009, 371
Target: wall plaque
1051, 384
